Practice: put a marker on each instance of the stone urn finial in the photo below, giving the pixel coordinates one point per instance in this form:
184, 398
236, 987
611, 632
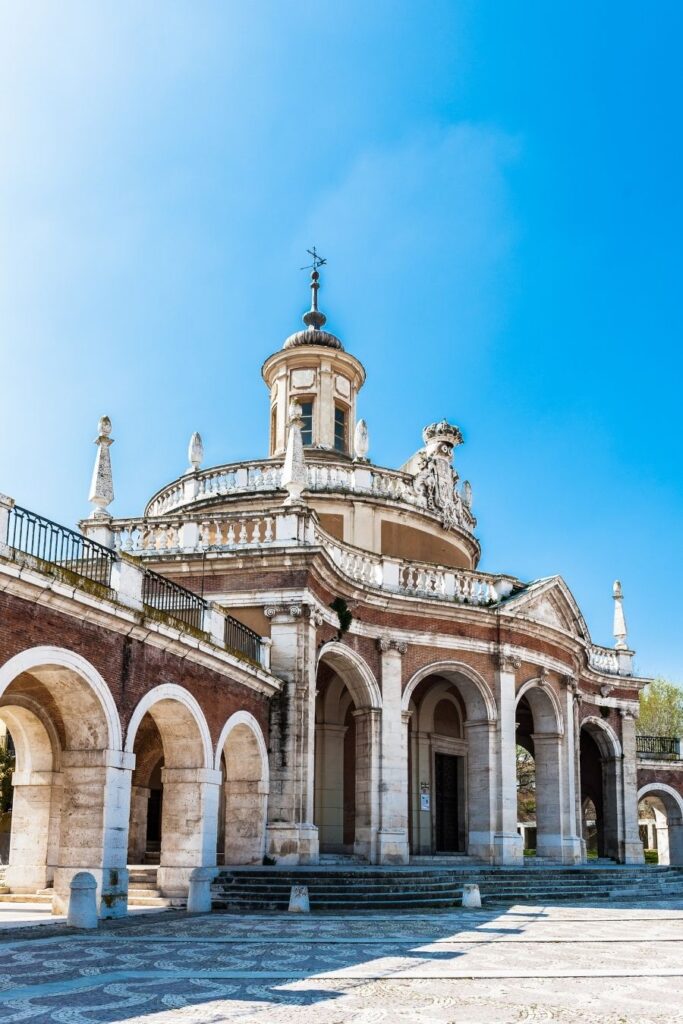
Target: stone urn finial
619, 630
361, 441
195, 452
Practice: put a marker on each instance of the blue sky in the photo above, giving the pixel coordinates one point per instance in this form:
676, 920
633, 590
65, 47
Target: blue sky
496, 187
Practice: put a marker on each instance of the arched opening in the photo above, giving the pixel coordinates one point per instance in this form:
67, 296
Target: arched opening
68, 782
450, 758
589, 828
346, 755
244, 797
539, 733
600, 771
526, 798
660, 820
175, 789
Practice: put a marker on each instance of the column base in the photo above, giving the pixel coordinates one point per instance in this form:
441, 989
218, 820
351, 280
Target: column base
26, 877
392, 846
508, 848
572, 850
633, 853
291, 843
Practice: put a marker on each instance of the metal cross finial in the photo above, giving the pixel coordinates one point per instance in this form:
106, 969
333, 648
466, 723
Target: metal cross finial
318, 261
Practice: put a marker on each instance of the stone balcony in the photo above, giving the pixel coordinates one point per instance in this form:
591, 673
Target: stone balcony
323, 477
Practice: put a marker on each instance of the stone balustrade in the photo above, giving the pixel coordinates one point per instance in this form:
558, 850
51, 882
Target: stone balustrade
610, 661
322, 477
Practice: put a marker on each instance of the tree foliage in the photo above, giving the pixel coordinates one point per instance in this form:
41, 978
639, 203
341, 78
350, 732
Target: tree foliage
661, 709
6, 768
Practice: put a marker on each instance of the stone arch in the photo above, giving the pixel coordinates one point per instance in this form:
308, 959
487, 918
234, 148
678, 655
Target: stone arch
545, 707
346, 779
44, 658
477, 694
601, 782
540, 730
173, 709
189, 784
451, 787
669, 825
242, 749
70, 786
355, 673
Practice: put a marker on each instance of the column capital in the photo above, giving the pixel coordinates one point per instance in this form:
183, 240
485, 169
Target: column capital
287, 612
386, 644
506, 661
626, 713
571, 682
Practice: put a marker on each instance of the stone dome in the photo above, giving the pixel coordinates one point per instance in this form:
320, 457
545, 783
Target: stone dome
313, 336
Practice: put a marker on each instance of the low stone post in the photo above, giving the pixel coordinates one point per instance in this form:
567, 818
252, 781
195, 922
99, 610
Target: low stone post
199, 895
83, 901
471, 897
298, 900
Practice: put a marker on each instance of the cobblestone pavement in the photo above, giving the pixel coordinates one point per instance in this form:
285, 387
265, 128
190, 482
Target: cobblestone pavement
609, 963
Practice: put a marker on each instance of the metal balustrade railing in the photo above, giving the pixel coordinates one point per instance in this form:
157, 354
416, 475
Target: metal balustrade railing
50, 542
241, 639
164, 595
659, 746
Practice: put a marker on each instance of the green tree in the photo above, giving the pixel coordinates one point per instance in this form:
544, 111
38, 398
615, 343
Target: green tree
661, 709
6, 769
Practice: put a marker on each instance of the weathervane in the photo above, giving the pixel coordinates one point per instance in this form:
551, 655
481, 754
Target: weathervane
318, 261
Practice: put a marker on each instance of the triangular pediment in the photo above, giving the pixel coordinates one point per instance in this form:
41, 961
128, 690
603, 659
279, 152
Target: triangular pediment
551, 603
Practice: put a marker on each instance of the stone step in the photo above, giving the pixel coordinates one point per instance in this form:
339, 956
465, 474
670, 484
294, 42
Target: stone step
25, 897
150, 901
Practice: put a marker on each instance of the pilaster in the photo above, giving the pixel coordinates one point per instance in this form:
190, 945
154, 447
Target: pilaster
508, 845
393, 831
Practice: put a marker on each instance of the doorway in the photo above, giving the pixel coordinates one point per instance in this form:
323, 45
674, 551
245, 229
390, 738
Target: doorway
446, 787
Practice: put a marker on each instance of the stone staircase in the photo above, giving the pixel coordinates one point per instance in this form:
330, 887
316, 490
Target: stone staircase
421, 888
142, 888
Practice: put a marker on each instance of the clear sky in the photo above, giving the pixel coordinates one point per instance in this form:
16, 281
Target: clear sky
497, 188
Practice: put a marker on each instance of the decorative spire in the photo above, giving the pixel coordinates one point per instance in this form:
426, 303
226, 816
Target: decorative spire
102, 485
294, 469
314, 319
361, 441
195, 452
619, 630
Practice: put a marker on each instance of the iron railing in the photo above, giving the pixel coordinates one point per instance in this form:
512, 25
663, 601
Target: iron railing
46, 541
658, 746
240, 638
164, 595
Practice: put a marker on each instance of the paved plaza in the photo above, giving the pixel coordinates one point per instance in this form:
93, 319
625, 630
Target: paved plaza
610, 963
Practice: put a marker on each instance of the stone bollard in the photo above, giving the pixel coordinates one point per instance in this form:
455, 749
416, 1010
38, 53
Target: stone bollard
199, 895
471, 897
83, 901
298, 900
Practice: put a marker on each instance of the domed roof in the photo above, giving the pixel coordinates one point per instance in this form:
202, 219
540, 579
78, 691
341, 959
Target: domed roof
313, 336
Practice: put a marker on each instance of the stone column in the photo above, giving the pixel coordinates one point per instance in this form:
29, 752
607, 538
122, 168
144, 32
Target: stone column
137, 832
367, 782
189, 823
482, 791
36, 801
330, 766
571, 820
423, 774
393, 832
632, 846
291, 836
244, 819
94, 826
507, 843
578, 698
549, 795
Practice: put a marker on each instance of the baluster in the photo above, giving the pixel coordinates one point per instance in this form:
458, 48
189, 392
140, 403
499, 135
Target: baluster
269, 530
231, 535
256, 532
242, 539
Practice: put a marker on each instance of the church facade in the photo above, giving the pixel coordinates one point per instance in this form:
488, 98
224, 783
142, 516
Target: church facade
349, 682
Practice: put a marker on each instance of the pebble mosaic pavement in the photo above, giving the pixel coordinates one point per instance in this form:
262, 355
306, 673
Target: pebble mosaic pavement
598, 963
